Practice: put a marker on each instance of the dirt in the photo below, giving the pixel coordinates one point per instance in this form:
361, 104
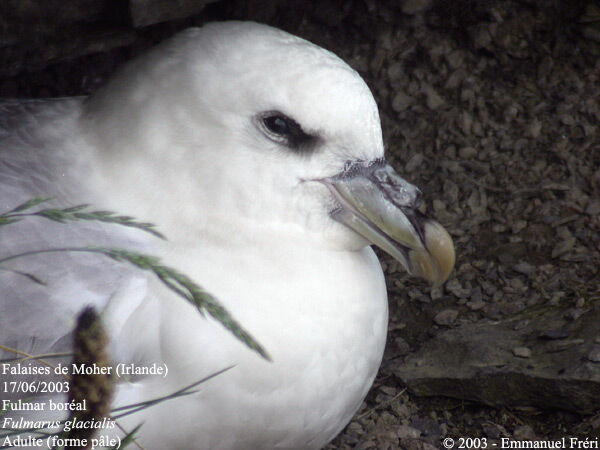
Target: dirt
492, 108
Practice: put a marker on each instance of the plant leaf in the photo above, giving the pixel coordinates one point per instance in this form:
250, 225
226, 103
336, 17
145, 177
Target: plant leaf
27, 205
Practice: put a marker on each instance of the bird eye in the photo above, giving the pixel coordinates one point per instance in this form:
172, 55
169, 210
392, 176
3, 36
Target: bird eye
278, 125
284, 130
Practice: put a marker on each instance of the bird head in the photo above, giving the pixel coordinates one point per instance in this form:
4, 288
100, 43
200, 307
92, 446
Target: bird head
239, 126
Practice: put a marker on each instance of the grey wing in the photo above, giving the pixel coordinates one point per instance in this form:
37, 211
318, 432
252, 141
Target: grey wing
38, 317
41, 294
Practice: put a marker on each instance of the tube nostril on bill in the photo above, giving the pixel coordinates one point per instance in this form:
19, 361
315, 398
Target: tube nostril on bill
418, 199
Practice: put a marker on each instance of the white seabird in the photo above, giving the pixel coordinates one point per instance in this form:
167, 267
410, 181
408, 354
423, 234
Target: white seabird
260, 156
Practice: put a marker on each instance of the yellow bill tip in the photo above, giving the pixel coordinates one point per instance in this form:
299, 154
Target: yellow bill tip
435, 264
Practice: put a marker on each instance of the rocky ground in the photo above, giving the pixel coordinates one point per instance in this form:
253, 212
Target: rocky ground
493, 109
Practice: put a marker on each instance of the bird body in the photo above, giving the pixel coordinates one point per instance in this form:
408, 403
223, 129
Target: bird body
316, 380
259, 172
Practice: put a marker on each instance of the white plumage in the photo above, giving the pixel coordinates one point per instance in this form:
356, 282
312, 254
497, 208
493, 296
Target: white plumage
254, 152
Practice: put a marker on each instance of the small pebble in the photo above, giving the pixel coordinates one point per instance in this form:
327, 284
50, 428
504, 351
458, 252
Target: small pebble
402, 346
404, 431
446, 317
434, 100
594, 354
412, 7
524, 268
574, 313
467, 152
593, 208
522, 352
494, 430
476, 294
524, 432
560, 346
476, 305
555, 334
401, 101
435, 293
414, 162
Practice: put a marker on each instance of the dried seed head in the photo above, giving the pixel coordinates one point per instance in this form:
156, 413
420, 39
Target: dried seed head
90, 343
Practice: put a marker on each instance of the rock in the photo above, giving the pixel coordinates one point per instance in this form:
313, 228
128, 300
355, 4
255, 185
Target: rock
534, 129
404, 431
433, 99
561, 346
524, 432
574, 313
567, 119
524, 267
446, 317
522, 352
594, 354
396, 348
476, 295
465, 122
554, 334
467, 153
455, 59
518, 226
476, 305
436, 293
439, 206
563, 247
592, 33
401, 101
395, 72
454, 287
481, 35
428, 426
494, 430
148, 12
476, 362
593, 208
414, 162
412, 7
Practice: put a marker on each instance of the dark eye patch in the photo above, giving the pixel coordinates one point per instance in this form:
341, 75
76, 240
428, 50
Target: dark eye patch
278, 125
285, 130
